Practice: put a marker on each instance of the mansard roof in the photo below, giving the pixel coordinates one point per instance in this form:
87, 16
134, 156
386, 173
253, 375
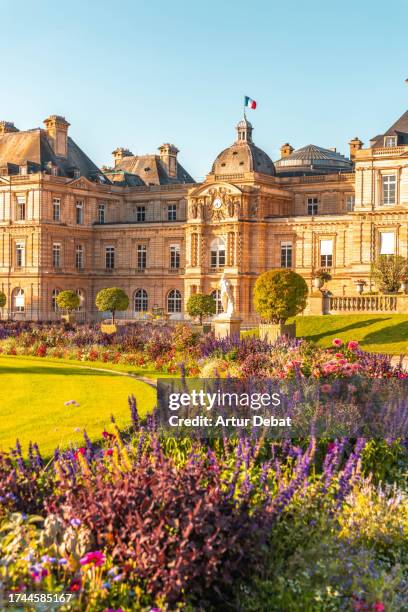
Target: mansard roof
399, 129
32, 148
151, 170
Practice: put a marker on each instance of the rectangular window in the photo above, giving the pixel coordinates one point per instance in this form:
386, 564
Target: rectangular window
20, 254
390, 141
141, 214
174, 256
286, 254
79, 212
56, 255
387, 243
79, 257
101, 213
21, 208
389, 189
312, 206
110, 258
141, 256
56, 209
172, 212
326, 253
350, 201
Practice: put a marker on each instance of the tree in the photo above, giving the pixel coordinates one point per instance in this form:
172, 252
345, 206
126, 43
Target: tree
3, 299
279, 294
199, 305
388, 271
68, 300
111, 299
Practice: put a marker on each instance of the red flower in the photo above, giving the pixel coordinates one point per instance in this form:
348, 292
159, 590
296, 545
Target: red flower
379, 606
75, 585
108, 452
352, 345
80, 451
337, 342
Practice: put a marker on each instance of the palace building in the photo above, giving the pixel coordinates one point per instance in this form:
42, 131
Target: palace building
145, 225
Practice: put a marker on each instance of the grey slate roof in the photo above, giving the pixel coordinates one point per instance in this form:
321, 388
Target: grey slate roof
399, 129
243, 156
150, 170
312, 160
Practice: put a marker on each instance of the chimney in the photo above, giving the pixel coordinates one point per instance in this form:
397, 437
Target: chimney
286, 150
168, 156
119, 154
57, 134
355, 145
6, 127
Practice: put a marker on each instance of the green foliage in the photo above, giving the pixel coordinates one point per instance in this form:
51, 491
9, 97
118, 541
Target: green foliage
279, 294
323, 275
389, 271
199, 305
68, 300
111, 299
3, 299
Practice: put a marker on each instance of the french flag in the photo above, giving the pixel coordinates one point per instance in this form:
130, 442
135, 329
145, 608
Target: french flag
249, 102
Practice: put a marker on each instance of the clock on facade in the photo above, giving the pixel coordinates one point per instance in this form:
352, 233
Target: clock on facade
217, 203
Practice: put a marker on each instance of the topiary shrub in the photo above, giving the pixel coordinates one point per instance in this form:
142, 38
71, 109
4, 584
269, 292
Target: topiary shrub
388, 271
68, 300
279, 294
3, 299
112, 299
199, 305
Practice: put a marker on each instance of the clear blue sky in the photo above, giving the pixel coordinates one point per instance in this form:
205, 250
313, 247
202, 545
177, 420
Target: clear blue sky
137, 74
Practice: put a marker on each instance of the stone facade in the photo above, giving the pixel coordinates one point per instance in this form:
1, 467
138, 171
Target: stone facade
145, 226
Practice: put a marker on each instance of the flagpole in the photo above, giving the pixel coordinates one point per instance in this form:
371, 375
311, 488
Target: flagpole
244, 109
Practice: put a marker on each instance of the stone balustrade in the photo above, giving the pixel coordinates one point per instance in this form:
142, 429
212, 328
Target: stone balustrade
357, 304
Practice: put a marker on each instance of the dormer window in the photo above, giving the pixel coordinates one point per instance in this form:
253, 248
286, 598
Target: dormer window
23, 170
390, 141
77, 174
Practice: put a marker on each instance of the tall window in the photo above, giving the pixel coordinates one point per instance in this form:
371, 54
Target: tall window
140, 300
79, 212
79, 257
18, 300
54, 304
56, 209
20, 254
326, 253
350, 201
286, 254
389, 189
218, 253
141, 256
110, 258
21, 208
56, 255
216, 296
174, 301
174, 256
387, 243
101, 213
141, 214
172, 212
312, 206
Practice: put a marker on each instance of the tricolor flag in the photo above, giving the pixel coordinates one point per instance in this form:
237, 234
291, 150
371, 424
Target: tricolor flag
249, 103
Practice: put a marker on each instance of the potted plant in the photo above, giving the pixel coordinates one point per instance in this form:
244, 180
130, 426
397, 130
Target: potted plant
360, 284
278, 295
389, 271
111, 299
321, 277
404, 284
200, 305
68, 301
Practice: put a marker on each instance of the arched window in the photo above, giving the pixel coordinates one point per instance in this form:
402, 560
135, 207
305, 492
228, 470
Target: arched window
174, 301
81, 294
18, 300
218, 253
140, 300
54, 296
216, 296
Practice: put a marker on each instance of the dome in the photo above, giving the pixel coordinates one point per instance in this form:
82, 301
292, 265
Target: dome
243, 155
312, 160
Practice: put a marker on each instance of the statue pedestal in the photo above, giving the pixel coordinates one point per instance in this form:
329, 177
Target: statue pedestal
227, 327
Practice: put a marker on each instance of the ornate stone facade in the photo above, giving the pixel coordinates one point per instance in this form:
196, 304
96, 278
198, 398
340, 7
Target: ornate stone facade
144, 225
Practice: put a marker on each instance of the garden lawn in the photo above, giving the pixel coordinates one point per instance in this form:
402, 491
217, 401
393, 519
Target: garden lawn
34, 392
375, 333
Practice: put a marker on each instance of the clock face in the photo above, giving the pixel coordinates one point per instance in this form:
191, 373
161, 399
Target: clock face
217, 203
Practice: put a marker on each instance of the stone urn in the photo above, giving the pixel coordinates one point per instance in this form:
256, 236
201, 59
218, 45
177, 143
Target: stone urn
360, 287
318, 282
404, 285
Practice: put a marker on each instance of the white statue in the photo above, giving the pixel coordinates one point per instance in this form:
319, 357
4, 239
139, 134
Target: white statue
227, 298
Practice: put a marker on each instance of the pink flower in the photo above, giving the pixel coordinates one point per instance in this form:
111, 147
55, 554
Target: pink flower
337, 342
96, 558
325, 388
108, 452
352, 345
378, 606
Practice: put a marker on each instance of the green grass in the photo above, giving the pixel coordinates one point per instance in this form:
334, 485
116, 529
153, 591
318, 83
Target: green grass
375, 333
34, 393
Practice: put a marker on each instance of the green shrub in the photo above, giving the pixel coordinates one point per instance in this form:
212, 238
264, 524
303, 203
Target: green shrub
279, 294
3, 299
389, 271
111, 299
199, 305
68, 300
